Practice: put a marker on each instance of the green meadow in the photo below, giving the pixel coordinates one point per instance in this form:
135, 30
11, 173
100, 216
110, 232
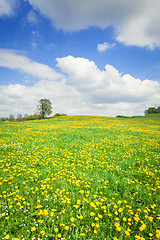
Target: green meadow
80, 177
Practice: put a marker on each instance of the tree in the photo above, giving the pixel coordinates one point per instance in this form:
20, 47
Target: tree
11, 117
19, 117
152, 110
44, 108
26, 116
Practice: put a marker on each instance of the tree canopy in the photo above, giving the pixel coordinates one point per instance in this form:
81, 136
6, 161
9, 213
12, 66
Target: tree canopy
44, 108
152, 110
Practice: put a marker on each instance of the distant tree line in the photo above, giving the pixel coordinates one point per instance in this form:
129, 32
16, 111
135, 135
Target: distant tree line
152, 110
44, 108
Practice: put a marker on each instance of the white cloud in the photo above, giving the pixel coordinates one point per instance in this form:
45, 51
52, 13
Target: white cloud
86, 90
32, 17
135, 22
6, 7
107, 86
104, 46
14, 60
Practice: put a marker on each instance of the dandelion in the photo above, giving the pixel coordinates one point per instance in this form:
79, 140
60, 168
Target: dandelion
120, 210
82, 234
72, 219
42, 232
33, 229
66, 228
127, 233
7, 236
143, 226
92, 214
157, 233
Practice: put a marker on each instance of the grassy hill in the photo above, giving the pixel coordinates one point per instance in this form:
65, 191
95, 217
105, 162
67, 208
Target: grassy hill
80, 177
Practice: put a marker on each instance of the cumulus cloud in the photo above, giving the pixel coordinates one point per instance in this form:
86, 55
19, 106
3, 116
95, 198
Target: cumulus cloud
104, 46
135, 22
6, 7
107, 86
14, 60
83, 90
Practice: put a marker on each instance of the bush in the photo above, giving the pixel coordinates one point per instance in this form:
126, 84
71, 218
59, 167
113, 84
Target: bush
59, 114
33, 117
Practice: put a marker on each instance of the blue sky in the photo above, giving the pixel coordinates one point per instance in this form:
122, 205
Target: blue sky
97, 57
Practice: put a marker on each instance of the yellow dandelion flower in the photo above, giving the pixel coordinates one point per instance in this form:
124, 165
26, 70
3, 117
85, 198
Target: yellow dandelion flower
97, 225
127, 233
66, 228
92, 214
118, 229
33, 229
82, 234
120, 210
92, 224
7, 236
42, 232
157, 233
72, 219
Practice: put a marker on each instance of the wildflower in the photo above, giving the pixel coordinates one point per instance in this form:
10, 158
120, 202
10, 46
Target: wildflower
59, 235
120, 210
76, 206
157, 233
127, 233
62, 225
116, 225
97, 225
92, 214
56, 230
7, 236
143, 226
72, 219
66, 228
33, 229
42, 232
80, 217
82, 234
118, 229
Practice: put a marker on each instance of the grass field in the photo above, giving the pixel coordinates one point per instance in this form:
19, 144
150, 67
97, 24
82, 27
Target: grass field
80, 177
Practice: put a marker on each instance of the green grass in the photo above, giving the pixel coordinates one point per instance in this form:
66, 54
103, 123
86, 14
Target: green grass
80, 177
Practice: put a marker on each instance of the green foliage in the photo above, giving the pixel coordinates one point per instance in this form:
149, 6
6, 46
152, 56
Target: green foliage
59, 114
152, 110
44, 108
33, 117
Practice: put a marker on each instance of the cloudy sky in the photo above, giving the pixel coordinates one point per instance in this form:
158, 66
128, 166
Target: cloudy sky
99, 57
